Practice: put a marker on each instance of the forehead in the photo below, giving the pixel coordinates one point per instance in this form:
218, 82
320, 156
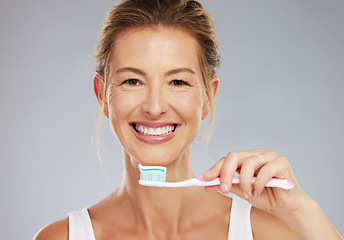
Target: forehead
163, 48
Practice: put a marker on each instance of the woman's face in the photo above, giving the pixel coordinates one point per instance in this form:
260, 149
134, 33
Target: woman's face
155, 98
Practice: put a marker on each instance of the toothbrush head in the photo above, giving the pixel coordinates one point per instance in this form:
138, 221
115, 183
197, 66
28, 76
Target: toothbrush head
152, 174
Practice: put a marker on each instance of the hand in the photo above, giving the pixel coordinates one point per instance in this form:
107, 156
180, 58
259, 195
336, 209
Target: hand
264, 165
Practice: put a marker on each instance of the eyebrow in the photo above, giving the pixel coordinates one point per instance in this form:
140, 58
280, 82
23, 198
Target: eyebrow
178, 70
131, 69
140, 72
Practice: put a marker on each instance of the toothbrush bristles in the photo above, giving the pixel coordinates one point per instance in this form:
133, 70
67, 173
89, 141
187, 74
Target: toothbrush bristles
153, 176
152, 173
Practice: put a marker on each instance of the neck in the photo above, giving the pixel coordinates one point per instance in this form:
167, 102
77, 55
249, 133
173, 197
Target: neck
161, 208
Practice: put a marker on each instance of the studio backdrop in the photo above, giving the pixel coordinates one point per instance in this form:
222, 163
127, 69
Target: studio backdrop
281, 89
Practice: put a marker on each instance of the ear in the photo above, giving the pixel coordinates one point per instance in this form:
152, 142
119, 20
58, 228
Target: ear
98, 88
214, 85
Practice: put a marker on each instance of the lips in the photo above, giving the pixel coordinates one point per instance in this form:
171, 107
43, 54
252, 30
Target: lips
151, 131
154, 133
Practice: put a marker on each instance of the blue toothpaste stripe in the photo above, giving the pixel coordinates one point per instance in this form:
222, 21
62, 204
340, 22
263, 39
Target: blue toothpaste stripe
152, 169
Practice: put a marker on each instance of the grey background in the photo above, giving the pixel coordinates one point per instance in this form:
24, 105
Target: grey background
281, 89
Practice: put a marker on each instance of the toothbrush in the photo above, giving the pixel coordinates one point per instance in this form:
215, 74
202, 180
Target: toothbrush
155, 176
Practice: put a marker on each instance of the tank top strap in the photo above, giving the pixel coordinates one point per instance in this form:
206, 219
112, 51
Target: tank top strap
80, 226
240, 221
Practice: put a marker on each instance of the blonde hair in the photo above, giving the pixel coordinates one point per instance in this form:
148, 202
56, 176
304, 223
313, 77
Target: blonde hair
183, 14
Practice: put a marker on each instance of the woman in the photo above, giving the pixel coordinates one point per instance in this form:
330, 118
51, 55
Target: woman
155, 81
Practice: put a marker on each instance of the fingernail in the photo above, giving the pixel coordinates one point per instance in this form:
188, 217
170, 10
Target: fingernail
223, 187
245, 195
255, 193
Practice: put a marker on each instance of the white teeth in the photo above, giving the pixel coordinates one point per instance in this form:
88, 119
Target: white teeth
154, 131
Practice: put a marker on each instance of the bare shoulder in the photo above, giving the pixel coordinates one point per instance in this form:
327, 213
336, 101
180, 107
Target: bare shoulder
266, 226
55, 231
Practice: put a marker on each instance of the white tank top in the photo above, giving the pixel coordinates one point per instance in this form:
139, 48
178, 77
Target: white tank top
80, 225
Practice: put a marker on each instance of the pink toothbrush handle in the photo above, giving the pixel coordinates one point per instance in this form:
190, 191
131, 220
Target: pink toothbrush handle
274, 182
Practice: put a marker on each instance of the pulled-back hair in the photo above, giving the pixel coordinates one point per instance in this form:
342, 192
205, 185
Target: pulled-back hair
187, 15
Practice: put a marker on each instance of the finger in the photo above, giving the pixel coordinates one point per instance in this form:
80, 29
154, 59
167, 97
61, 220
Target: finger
214, 171
228, 170
226, 167
276, 168
248, 168
246, 154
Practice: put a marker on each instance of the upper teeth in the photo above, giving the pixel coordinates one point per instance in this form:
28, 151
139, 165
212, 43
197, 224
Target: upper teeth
154, 131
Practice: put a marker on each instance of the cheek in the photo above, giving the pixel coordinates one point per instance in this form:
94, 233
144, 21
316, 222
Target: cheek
189, 106
120, 105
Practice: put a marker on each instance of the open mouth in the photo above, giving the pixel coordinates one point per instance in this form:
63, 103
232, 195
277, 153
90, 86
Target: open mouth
157, 131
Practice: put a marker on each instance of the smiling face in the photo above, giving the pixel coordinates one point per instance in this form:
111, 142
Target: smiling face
155, 97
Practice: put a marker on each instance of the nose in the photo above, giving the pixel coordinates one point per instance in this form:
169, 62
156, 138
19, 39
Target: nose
154, 104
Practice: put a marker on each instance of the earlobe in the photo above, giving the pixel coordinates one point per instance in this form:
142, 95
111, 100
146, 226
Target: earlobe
214, 85
98, 88
206, 109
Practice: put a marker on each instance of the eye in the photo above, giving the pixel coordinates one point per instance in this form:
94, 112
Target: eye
132, 82
177, 82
